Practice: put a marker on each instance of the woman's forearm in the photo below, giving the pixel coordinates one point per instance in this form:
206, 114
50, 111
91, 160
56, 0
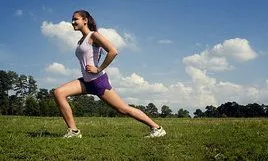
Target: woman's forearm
107, 61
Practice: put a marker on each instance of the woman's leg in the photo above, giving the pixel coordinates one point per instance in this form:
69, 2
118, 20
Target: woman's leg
111, 97
61, 93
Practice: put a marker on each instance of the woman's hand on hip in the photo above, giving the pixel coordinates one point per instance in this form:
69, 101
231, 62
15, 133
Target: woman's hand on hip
92, 69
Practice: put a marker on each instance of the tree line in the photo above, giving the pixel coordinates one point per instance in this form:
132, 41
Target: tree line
233, 109
19, 95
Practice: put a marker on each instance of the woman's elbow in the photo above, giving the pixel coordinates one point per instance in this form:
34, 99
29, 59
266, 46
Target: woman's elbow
114, 52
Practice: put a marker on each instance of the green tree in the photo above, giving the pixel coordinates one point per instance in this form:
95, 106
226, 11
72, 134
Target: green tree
83, 105
7, 80
151, 110
255, 110
47, 104
183, 113
211, 111
198, 113
165, 111
14, 107
105, 110
21, 86
32, 87
31, 107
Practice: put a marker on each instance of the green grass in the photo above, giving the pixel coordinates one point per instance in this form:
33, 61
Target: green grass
40, 138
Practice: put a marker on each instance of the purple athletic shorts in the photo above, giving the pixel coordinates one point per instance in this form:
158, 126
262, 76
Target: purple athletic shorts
97, 86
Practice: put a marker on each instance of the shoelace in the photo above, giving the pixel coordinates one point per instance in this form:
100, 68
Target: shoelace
152, 131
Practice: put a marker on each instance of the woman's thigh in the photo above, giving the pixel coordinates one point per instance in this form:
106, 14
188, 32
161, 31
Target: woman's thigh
74, 87
113, 99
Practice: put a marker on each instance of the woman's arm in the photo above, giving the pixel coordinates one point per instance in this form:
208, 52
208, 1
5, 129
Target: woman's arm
108, 47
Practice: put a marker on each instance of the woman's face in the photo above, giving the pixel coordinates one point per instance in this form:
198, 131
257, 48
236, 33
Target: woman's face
78, 22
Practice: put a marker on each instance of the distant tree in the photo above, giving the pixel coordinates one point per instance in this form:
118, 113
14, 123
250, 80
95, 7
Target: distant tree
211, 111
231, 109
7, 102
140, 107
21, 86
255, 110
198, 113
31, 107
151, 110
183, 113
4, 102
47, 105
83, 105
32, 87
165, 111
4, 87
6, 81
42, 94
104, 110
14, 107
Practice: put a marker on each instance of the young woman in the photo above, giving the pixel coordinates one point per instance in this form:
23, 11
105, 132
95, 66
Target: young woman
95, 80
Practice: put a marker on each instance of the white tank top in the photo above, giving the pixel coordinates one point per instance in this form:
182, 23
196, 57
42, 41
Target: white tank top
88, 54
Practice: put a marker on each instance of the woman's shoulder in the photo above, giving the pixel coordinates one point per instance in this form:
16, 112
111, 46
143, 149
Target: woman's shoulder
95, 34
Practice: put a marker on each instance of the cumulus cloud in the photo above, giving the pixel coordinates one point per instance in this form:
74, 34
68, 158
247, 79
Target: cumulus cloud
113, 37
237, 48
202, 89
57, 74
60, 69
134, 85
210, 91
62, 33
67, 38
205, 61
216, 59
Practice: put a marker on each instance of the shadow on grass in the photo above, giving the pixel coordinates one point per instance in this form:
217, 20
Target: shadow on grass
43, 133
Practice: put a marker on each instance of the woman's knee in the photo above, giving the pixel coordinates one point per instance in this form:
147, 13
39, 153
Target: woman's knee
58, 92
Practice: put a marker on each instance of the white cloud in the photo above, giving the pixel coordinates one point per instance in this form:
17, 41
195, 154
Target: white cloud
50, 80
113, 37
205, 61
209, 89
62, 32
134, 84
57, 68
131, 42
216, 59
200, 77
165, 41
19, 12
201, 90
65, 36
237, 48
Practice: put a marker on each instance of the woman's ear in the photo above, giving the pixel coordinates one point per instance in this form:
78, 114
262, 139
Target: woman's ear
85, 21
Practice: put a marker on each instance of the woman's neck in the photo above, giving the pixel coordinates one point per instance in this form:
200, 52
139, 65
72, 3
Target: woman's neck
85, 31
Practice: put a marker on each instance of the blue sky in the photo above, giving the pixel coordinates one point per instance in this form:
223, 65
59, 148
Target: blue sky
184, 53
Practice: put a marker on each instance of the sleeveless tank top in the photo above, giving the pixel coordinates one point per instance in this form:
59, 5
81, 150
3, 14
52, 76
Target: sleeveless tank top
88, 54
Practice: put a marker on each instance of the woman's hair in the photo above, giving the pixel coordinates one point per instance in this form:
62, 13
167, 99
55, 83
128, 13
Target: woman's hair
91, 22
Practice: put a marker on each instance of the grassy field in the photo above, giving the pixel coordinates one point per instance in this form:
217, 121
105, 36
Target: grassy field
40, 138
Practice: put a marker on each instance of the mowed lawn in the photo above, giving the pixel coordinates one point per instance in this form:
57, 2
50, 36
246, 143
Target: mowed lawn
40, 138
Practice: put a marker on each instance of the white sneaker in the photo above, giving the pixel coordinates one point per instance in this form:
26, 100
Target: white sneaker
156, 132
73, 133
